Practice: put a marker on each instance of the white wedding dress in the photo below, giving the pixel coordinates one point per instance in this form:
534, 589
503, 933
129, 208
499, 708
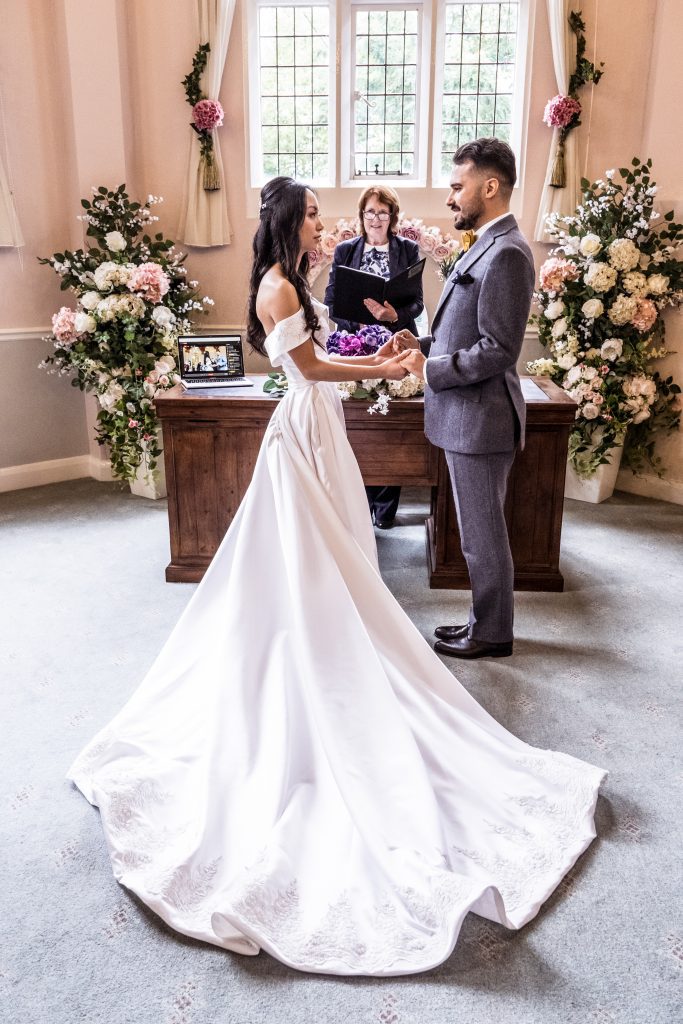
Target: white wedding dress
312, 780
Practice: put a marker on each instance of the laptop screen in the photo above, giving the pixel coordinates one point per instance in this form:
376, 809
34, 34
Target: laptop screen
214, 357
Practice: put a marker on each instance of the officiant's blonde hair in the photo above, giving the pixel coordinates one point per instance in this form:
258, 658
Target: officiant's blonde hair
384, 195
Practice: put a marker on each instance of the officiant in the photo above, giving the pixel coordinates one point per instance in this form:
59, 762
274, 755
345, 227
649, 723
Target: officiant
378, 250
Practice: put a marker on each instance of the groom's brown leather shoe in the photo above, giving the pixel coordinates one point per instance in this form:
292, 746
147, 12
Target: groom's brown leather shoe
468, 648
451, 632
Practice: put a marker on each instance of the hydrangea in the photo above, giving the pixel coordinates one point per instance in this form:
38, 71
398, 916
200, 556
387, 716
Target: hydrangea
623, 254
207, 115
635, 283
623, 309
645, 315
561, 111
600, 277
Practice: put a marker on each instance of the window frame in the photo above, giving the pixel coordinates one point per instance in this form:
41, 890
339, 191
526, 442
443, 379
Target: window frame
519, 117
255, 156
423, 91
428, 105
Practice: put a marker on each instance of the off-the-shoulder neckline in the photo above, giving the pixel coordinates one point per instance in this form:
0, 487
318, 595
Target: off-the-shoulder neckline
292, 315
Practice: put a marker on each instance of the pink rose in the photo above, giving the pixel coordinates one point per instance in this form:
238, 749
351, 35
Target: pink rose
163, 380
63, 326
560, 111
207, 114
554, 272
645, 315
328, 244
151, 280
346, 234
441, 252
314, 257
428, 242
408, 231
133, 423
146, 437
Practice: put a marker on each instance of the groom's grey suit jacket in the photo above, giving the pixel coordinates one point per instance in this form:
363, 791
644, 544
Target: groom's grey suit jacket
473, 397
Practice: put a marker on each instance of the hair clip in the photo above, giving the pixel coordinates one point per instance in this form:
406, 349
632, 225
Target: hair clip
263, 206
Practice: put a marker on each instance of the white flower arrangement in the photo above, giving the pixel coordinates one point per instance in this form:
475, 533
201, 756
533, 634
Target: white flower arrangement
602, 293
119, 339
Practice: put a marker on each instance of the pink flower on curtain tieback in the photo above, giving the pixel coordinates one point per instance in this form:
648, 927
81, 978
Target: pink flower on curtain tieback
207, 114
150, 279
560, 110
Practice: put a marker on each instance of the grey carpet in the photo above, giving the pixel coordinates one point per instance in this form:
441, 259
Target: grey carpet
596, 673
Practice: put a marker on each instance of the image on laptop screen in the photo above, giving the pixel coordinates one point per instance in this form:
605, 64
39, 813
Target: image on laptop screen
210, 359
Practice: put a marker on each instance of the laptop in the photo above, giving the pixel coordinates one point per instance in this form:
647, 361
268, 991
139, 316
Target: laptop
211, 361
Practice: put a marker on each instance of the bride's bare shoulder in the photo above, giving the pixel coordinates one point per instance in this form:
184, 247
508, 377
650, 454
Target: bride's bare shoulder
276, 298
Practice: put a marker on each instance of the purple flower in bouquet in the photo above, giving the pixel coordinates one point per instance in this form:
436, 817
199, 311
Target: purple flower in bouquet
207, 114
364, 342
560, 111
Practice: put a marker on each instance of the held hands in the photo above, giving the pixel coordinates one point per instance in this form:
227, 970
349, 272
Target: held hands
403, 340
413, 361
392, 369
386, 313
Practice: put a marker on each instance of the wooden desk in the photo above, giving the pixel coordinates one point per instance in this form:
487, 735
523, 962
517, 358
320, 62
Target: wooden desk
211, 440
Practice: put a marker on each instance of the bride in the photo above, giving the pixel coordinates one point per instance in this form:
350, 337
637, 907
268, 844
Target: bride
314, 782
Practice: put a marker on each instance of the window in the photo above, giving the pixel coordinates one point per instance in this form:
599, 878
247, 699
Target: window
475, 84
380, 85
292, 130
386, 68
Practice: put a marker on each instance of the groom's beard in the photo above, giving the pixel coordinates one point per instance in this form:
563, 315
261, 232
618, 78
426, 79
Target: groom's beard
468, 221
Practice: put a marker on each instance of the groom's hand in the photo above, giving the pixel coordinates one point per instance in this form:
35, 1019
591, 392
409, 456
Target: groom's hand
404, 340
414, 362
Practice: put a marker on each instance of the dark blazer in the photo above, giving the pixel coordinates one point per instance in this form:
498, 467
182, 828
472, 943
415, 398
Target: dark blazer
473, 397
402, 254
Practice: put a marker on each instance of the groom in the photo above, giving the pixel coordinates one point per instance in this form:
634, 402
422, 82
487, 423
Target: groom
474, 407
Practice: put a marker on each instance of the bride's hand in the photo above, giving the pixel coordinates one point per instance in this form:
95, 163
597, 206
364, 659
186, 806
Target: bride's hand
392, 369
386, 351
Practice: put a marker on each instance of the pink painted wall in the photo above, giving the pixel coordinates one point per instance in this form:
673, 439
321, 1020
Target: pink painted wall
49, 96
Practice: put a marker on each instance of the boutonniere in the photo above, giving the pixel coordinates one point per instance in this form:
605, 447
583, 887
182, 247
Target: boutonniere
462, 278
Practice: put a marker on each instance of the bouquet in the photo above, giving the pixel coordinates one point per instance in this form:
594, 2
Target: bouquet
602, 293
364, 343
132, 302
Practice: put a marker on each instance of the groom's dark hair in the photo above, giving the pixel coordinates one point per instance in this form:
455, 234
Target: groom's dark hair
492, 156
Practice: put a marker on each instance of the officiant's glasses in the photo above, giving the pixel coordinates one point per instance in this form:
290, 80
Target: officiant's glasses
371, 215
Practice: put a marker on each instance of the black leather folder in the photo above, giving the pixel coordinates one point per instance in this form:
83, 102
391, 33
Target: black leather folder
351, 286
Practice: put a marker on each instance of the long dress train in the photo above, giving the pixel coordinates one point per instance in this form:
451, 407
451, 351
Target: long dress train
312, 780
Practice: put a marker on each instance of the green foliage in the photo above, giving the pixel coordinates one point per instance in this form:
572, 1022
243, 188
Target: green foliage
191, 82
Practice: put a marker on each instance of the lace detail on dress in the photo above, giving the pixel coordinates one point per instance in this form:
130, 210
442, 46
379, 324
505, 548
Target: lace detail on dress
186, 888
403, 924
556, 828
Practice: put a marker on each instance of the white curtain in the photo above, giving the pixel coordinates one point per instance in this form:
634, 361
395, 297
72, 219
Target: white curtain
205, 217
560, 200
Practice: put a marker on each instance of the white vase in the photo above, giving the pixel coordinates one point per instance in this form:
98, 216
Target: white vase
600, 485
150, 484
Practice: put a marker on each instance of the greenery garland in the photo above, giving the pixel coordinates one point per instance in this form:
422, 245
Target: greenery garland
207, 115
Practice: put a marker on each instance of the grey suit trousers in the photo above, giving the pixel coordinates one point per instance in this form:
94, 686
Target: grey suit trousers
482, 482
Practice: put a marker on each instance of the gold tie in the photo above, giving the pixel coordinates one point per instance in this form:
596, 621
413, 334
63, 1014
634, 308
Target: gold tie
467, 239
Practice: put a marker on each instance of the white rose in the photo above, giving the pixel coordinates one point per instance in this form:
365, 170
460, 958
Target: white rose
84, 323
592, 308
554, 309
611, 349
590, 411
559, 327
589, 373
590, 245
89, 300
573, 376
657, 284
111, 396
115, 241
163, 316
566, 361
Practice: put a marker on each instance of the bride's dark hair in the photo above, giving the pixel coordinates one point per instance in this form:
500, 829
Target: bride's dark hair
283, 210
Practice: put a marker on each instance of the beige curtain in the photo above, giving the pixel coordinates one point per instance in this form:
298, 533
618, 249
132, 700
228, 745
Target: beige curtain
560, 200
205, 216
10, 230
